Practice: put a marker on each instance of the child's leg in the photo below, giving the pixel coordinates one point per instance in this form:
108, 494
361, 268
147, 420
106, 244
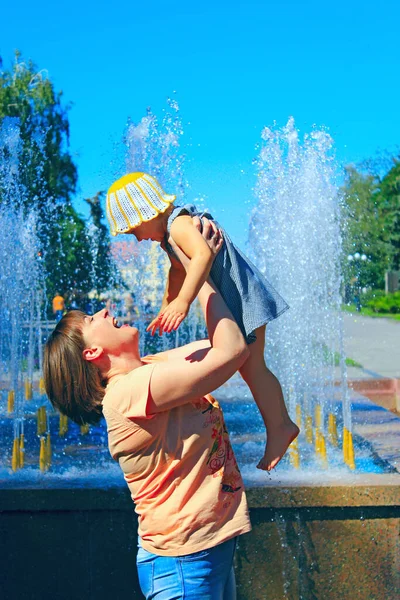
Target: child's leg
267, 393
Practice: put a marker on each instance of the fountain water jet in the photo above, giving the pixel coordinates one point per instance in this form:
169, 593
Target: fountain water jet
295, 236
21, 278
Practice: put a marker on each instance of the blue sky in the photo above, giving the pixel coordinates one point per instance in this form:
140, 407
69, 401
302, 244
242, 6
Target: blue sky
235, 67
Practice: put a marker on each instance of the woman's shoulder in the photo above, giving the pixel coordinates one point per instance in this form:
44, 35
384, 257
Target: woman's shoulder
128, 388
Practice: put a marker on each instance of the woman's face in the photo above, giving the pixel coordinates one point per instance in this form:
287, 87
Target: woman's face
102, 330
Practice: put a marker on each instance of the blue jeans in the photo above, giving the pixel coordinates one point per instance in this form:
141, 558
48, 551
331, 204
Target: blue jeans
207, 574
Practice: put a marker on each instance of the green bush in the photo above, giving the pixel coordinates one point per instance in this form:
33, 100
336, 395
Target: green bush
389, 303
371, 295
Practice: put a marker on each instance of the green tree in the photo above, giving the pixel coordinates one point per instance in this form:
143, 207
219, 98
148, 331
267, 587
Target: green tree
47, 175
68, 252
47, 170
363, 231
389, 205
103, 267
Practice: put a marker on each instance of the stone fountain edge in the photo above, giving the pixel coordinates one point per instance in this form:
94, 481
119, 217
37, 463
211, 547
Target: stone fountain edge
376, 490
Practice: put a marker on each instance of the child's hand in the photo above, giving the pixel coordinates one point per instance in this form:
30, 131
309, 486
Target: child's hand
173, 315
170, 317
155, 324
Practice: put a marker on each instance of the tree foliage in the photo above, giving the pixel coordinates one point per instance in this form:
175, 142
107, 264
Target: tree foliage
363, 233
68, 254
48, 177
372, 216
103, 266
47, 170
389, 203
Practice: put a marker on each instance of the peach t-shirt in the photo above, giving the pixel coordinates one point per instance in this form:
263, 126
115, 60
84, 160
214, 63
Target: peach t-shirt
179, 466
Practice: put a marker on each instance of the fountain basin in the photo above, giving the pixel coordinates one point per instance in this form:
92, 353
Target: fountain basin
308, 541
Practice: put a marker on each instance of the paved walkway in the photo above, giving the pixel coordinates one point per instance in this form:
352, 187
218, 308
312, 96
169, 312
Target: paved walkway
374, 343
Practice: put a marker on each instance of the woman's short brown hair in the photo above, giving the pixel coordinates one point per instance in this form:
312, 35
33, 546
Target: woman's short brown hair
73, 384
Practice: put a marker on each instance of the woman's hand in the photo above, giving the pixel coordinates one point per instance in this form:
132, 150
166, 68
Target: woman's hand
210, 232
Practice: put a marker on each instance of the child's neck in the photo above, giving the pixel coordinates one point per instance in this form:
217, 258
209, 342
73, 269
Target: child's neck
165, 216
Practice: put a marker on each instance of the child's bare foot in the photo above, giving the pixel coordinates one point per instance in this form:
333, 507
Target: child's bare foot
278, 441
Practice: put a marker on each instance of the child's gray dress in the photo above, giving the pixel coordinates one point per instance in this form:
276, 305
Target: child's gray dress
250, 297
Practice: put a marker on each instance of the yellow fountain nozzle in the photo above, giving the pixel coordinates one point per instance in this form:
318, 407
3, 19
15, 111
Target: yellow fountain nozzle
298, 415
15, 459
42, 389
21, 450
41, 420
85, 429
48, 451
63, 428
308, 430
332, 430
320, 446
318, 416
317, 441
10, 401
345, 445
350, 451
323, 449
294, 454
42, 455
28, 390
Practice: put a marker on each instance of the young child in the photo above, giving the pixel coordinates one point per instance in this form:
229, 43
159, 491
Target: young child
137, 204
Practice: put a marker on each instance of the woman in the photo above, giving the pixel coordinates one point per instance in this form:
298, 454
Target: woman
168, 435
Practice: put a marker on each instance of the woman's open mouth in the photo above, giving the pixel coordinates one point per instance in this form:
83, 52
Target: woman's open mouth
116, 323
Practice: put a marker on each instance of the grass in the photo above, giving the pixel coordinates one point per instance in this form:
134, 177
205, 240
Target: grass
368, 312
350, 362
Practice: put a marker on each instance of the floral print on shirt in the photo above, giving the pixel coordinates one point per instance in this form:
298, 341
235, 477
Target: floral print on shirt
221, 459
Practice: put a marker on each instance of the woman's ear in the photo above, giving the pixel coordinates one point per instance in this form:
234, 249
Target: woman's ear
92, 353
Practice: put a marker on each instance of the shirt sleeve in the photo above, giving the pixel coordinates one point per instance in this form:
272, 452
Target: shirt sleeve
130, 395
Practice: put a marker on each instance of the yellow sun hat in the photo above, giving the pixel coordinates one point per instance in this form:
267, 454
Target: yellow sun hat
133, 199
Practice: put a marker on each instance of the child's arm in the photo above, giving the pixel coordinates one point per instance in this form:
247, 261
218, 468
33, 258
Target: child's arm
176, 277
192, 243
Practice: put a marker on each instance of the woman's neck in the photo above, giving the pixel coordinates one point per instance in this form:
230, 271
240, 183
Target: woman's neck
121, 365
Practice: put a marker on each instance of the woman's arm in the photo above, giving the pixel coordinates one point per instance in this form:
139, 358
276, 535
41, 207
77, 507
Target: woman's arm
184, 379
181, 352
